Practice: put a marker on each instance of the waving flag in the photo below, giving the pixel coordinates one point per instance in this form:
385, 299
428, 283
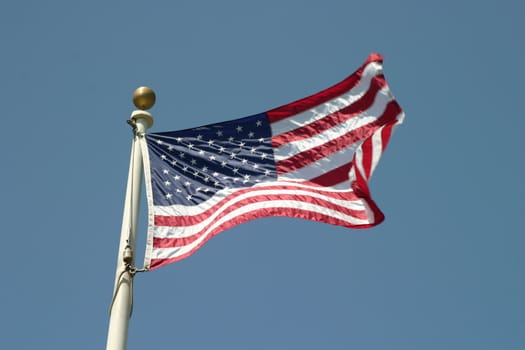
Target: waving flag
309, 159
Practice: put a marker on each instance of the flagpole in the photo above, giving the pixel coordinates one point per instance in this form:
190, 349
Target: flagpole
120, 310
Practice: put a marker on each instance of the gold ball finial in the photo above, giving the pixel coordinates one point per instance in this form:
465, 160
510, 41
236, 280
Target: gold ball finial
144, 98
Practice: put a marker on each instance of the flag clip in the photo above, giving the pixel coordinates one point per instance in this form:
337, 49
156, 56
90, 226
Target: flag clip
128, 255
133, 125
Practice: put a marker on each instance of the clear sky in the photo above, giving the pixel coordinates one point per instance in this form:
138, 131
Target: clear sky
446, 270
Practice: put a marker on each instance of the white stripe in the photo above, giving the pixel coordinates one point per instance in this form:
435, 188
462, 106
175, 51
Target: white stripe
166, 253
358, 163
187, 231
343, 185
179, 209
377, 149
400, 118
323, 165
309, 116
351, 174
149, 199
292, 148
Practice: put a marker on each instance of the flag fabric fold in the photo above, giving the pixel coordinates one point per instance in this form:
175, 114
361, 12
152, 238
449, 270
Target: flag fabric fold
309, 159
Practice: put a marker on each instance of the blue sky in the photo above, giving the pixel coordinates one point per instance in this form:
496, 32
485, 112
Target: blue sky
446, 270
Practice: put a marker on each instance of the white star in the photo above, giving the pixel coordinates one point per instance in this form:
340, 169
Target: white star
179, 139
185, 169
182, 155
253, 150
244, 161
233, 155
195, 173
176, 177
190, 146
210, 142
258, 123
231, 138
255, 166
221, 149
189, 197
263, 155
170, 148
250, 134
215, 174
242, 144
168, 195
212, 157
246, 178
239, 128
235, 170
178, 191
201, 152
193, 162
206, 189
187, 183
219, 133
216, 184
261, 140
159, 142
165, 171
267, 172
223, 164
199, 137
167, 183
173, 162
204, 169
163, 157
207, 179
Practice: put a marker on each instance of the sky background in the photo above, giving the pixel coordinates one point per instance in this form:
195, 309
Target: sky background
446, 270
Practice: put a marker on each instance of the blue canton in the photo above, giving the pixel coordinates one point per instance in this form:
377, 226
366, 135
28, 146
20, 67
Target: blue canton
189, 166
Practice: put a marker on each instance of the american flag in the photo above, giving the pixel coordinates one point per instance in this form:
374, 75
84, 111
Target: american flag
309, 159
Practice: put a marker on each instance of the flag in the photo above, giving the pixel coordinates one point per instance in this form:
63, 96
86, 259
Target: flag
309, 159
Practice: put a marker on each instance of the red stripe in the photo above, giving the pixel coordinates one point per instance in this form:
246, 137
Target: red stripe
322, 151
307, 103
297, 213
385, 135
156, 263
255, 214
386, 132
331, 120
338, 175
180, 220
333, 177
360, 187
366, 160
192, 220
360, 184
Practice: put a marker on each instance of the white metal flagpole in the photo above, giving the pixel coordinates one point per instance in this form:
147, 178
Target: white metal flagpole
120, 310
